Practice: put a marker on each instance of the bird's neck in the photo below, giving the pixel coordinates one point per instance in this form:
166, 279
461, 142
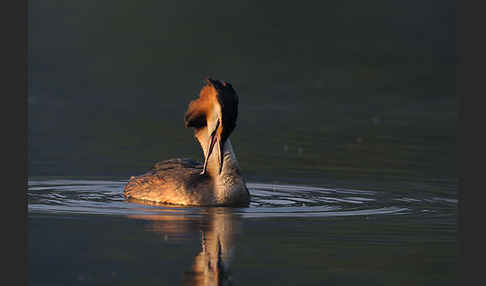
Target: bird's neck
229, 185
230, 164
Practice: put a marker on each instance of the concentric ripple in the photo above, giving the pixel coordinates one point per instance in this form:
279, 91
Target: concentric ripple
267, 200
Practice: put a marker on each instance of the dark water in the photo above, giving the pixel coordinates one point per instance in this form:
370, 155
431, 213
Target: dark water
84, 232
346, 134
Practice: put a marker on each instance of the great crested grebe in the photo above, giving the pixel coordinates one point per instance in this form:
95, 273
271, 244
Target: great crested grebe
218, 181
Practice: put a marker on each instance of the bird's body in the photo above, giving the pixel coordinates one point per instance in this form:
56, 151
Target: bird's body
218, 181
179, 181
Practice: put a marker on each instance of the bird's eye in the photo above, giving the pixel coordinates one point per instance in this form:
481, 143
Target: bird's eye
198, 121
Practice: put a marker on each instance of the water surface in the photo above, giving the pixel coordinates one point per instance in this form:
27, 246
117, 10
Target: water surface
289, 235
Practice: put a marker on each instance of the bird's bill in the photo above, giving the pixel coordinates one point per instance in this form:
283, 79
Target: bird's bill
214, 141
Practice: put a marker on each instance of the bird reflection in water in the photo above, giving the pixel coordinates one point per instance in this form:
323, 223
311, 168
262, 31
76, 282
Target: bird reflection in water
219, 228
